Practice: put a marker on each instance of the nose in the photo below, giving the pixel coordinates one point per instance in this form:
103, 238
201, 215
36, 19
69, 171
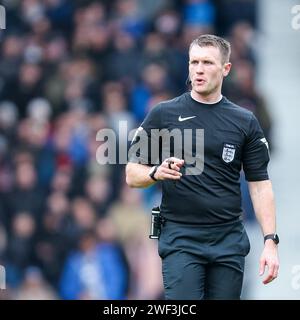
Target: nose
199, 68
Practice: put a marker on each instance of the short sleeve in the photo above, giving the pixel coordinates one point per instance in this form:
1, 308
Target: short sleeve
255, 153
140, 150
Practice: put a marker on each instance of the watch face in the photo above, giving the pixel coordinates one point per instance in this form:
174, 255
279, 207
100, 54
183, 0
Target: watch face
276, 238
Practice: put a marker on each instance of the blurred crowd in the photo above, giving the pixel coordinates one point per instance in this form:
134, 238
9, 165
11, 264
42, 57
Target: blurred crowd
70, 228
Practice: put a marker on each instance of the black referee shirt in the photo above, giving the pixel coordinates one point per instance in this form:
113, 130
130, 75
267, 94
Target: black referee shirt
233, 139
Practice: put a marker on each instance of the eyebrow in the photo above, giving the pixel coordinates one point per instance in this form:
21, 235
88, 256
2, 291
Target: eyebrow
202, 58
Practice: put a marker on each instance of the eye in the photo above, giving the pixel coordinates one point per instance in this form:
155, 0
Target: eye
194, 62
207, 62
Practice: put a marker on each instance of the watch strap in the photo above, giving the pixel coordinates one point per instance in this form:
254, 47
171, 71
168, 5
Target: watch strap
152, 173
272, 236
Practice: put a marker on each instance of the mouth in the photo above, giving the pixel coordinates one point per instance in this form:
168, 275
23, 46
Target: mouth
200, 81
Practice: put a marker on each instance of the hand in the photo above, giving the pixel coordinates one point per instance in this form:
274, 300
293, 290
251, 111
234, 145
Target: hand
169, 169
269, 258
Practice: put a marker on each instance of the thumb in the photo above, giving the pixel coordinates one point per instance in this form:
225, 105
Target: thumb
262, 264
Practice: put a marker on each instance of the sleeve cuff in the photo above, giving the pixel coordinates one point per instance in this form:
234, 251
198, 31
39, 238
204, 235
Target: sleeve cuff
256, 176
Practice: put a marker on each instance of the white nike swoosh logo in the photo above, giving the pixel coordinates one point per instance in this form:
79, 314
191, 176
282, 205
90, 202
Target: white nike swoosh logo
186, 118
264, 140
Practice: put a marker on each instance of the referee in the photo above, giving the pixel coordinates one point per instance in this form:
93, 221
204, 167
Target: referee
203, 242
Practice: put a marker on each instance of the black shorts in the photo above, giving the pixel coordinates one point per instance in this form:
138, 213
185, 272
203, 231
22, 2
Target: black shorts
203, 261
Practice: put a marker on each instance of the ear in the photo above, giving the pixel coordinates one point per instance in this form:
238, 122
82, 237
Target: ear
226, 69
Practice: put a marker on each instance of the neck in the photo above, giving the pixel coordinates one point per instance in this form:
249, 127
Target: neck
212, 98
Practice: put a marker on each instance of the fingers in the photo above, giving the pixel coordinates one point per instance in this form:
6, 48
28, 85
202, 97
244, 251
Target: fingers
273, 268
270, 275
276, 270
169, 169
173, 163
178, 162
273, 271
173, 174
262, 264
170, 177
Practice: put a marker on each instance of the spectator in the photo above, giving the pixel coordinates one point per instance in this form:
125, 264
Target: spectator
95, 271
34, 287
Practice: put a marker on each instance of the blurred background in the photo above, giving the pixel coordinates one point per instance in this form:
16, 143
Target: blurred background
69, 227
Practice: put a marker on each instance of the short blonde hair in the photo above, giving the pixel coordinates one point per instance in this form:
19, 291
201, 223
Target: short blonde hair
207, 40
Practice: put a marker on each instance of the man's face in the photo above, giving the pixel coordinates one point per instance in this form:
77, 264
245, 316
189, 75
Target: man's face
206, 70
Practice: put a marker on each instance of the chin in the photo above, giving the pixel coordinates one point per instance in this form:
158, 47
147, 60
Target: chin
203, 92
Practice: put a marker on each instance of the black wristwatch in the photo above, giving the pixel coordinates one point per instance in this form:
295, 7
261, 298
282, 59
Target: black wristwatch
272, 236
152, 173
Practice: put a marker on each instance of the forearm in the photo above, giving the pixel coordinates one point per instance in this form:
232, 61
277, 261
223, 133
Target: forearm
137, 175
263, 203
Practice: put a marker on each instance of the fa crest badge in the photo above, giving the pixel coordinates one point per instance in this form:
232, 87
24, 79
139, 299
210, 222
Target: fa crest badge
228, 152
